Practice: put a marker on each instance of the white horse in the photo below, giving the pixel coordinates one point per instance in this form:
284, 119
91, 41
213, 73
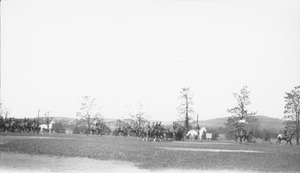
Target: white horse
44, 126
193, 133
203, 129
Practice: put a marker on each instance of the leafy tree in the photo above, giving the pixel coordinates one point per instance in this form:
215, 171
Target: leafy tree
58, 128
292, 111
185, 108
88, 113
119, 123
241, 114
214, 132
79, 129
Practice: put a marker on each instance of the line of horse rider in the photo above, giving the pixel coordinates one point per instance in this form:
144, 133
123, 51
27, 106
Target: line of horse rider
243, 135
157, 131
17, 125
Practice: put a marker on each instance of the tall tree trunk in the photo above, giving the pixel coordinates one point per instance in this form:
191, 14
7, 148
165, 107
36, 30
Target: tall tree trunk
186, 114
89, 124
297, 128
297, 137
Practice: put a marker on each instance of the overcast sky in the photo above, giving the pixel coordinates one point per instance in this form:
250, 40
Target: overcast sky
53, 52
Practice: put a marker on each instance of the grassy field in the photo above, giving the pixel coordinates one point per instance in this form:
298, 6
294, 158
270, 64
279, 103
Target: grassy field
208, 155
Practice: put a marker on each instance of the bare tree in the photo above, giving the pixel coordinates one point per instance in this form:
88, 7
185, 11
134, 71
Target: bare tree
241, 118
1, 110
185, 108
292, 111
4, 111
89, 111
139, 118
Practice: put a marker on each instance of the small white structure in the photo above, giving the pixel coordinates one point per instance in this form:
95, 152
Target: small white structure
208, 136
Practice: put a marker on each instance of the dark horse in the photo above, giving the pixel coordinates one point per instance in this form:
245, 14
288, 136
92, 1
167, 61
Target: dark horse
98, 129
123, 130
242, 135
287, 138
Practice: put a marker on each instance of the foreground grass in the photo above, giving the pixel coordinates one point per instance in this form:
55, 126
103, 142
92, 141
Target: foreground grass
149, 155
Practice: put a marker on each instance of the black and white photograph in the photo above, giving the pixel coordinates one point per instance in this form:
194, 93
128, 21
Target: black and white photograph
149, 86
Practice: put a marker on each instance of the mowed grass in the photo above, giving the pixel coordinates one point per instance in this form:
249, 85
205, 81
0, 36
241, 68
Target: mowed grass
149, 155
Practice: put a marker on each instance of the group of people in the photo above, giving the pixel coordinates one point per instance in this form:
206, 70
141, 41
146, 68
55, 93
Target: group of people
98, 128
17, 125
155, 131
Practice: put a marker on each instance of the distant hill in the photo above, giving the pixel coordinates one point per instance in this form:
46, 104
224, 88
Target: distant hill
270, 123
213, 123
64, 119
265, 122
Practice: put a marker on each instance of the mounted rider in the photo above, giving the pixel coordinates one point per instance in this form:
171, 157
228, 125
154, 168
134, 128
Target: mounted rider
156, 125
148, 125
285, 135
153, 126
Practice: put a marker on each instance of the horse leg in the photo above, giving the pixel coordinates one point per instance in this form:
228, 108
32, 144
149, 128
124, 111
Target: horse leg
154, 138
288, 141
147, 137
280, 143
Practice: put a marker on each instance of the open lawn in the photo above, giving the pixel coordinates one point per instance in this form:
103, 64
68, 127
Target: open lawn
206, 155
